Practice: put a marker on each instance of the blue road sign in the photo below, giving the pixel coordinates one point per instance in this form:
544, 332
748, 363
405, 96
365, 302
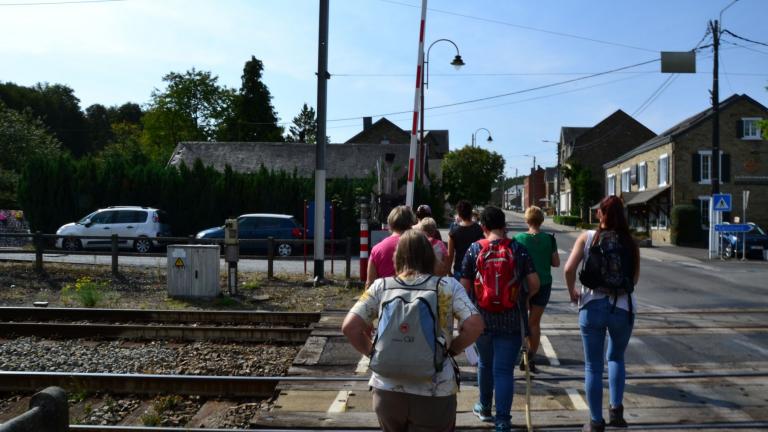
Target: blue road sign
733, 227
722, 202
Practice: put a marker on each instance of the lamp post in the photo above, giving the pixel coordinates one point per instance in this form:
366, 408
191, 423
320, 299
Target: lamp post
457, 63
474, 136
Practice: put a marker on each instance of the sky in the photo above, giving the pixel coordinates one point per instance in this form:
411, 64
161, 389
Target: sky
112, 52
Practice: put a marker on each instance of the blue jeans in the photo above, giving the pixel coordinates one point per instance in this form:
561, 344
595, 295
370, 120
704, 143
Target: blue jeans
495, 371
594, 319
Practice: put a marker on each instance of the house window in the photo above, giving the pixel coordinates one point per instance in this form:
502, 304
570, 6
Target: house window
642, 176
663, 170
612, 184
750, 128
625, 180
705, 164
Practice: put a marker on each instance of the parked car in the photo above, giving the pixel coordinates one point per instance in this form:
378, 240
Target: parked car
126, 221
261, 226
757, 242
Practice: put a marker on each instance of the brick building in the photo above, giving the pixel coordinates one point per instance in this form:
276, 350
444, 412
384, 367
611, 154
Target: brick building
535, 188
592, 147
675, 168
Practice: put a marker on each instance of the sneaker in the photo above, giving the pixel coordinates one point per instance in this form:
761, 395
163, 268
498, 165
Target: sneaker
482, 412
503, 426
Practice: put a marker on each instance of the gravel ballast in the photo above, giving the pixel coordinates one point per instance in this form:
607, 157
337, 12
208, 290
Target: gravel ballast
157, 357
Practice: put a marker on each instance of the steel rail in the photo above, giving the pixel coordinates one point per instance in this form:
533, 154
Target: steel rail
156, 316
735, 425
237, 386
156, 332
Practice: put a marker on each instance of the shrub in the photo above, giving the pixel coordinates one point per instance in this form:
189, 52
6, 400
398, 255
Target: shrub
567, 220
86, 291
685, 228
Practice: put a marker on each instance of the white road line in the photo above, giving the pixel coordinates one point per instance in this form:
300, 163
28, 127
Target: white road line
751, 346
362, 365
549, 351
573, 394
577, 400
562, 252
339, 404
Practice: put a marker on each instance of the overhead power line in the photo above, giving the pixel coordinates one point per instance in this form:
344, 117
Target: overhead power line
524, 27
516, 92
744, 39
60, 3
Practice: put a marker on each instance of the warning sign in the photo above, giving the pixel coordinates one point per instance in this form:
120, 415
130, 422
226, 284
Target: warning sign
179, 263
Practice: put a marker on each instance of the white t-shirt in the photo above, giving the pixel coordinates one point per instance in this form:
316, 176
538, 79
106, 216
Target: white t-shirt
588, 294
454, 303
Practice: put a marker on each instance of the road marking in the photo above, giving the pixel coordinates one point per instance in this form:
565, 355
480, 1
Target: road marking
362, 365
577, 400
562, 252
752, 346
339, 404
549, 351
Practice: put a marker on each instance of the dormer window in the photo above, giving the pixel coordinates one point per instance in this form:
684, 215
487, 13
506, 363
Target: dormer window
750, 128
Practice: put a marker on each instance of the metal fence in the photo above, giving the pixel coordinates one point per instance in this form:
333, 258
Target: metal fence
43, 244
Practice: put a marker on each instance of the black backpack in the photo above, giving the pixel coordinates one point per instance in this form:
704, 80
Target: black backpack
608, 267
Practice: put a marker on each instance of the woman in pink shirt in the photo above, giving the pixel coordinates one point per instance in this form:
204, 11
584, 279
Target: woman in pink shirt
381, 263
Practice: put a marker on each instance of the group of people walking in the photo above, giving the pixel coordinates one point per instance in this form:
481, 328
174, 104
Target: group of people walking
496, 289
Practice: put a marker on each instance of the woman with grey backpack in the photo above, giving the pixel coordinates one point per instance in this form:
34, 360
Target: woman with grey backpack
610, 267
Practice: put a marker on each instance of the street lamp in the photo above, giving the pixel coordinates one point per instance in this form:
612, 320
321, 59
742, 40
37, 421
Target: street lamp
457, 63
474, 136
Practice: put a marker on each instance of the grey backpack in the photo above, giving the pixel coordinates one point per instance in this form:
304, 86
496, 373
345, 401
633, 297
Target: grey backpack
409, 343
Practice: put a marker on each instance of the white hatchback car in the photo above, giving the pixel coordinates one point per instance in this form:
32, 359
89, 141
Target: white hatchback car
126, 221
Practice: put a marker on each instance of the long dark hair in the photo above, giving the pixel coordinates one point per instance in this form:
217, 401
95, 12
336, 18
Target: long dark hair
612, 209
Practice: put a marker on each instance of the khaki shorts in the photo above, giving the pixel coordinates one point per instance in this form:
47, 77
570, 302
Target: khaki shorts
408, 412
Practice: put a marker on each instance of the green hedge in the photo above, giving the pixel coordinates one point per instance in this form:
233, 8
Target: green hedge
54, 191
566, 220
686, 225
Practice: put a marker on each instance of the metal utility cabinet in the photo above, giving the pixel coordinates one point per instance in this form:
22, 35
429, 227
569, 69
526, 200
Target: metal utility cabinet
193, 271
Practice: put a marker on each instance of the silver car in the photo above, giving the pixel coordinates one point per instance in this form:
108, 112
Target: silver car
126, 221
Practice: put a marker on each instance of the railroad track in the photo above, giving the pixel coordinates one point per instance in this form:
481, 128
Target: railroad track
718, 426
230, 326
263, 386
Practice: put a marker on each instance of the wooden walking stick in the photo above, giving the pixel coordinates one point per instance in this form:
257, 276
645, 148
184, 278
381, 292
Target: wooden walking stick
528, 423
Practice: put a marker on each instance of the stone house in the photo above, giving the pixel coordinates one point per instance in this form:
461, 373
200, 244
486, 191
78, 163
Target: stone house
592, 147
534, 188
675, 168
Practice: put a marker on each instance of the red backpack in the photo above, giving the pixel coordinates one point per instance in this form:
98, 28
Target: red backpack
496, 284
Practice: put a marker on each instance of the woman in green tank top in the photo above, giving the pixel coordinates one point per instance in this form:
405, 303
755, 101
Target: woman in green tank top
542, 247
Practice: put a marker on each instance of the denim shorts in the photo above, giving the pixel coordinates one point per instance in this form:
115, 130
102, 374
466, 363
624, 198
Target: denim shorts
542, 297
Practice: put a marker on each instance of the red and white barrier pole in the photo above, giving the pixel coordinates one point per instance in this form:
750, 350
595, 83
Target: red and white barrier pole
364, 236
416, 107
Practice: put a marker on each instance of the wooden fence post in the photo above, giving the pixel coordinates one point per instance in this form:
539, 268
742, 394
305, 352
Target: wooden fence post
348, 257
38, 251
270, 257
114, 255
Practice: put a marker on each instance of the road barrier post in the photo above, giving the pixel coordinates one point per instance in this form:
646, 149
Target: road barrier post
363, 241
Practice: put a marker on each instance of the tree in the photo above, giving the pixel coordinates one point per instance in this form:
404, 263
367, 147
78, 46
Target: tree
128, 112
253, 117
191, 108
21, 137
304, 127
585, 190
99, 127
470, 172
56, 106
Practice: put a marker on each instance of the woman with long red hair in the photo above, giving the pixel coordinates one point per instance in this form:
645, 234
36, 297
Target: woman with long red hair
603, 309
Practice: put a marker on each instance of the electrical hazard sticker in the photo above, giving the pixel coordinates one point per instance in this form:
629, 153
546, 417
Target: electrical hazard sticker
179, 263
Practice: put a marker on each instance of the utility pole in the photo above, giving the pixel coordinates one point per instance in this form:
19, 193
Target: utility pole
322, 103
715, 159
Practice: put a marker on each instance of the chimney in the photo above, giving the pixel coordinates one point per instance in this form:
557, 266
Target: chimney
367, 122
